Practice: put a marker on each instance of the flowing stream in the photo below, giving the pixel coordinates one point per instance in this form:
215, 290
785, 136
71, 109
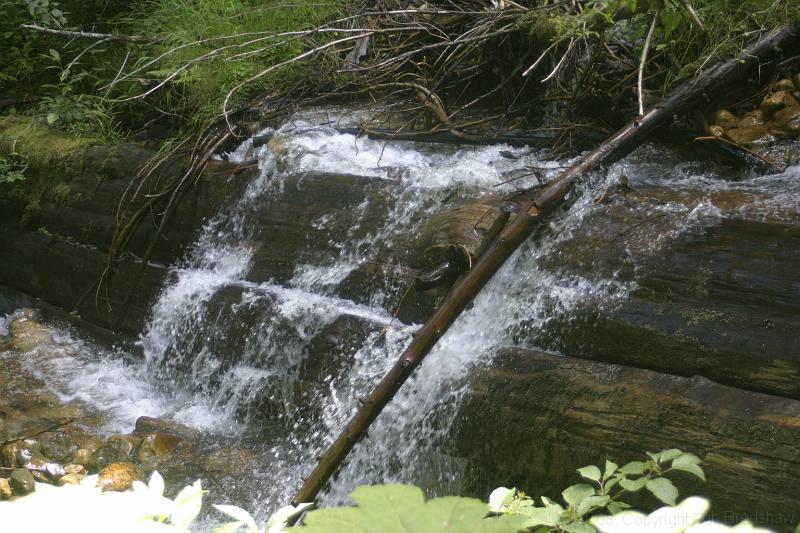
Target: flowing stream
225, 351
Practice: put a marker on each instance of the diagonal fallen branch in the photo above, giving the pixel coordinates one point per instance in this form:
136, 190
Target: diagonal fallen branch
90, 34
707, 82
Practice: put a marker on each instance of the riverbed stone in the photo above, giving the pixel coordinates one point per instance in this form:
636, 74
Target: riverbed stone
58, 445
777, 101
149, 425
49, 469
748, 135
119, 448
784, 84
786, 122
119, 476
22, 481
5, 488
725, 119
71, 479
156, 448
233, 462
83, 457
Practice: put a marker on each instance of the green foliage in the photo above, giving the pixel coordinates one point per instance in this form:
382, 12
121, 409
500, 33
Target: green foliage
603, 492
12, 168
400, 508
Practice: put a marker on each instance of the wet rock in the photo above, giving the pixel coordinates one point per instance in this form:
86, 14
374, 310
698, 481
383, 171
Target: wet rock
233, 462
146, 424
83, 457
784, 85
119, 476
47, 468
92, 444
725, 119
118, 448
716, 131
5, 488
786, 122
41, 477
27, 334
777, 101
71, 479
58, 445
156, 448
748, 135
22, 481
74, 469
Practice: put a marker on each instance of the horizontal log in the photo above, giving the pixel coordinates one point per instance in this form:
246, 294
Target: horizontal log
532, 418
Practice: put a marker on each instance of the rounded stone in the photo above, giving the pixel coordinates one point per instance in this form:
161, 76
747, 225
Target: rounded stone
784, 85
83, 457
5, 488
156, 448
777, 101
71, 479
119, 476
58, 445
725, 118
786, 122
232, 462
22, 481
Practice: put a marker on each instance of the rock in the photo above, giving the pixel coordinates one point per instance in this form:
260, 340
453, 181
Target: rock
146, 424
786, 122
5, 488
725, 119
92, 444
49, 469
156, 448
119, 476
27, 334
58, 445
716, 131
749, 135
118, 448
784, 85
532, 418
74, 469
233, 462
22, 481
777, 101
83, 457
71, 479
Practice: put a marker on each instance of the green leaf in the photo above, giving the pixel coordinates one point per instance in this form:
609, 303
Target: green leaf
239, 514
670, 20
689, 463
590, 472
543, 516
500, 497
634, 467
617, 507
591, 503
577, 527
633, 485
55, 55
610, 469
402, 508
669, 455
663, 489
52, 117
575, 494
188, 503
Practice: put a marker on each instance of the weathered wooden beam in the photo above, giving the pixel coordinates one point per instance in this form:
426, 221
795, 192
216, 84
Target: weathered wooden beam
518, 230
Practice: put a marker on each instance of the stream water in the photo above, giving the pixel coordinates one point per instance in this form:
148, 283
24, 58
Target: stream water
225, 354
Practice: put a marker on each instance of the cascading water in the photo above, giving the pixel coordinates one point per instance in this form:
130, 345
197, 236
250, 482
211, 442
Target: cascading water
227, 349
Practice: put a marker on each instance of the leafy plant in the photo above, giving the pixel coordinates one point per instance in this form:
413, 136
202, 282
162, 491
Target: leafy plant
603, 492
12, 168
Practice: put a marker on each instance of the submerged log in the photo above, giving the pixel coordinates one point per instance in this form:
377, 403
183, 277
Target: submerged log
519, 229
533, 418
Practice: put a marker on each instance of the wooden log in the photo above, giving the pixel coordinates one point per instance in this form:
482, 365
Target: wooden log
533, 418
628, 138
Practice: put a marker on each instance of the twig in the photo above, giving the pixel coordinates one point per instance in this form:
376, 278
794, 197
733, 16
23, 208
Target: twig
91, 35
644, 60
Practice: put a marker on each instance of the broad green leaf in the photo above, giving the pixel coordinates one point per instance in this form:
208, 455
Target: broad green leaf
187, 505
577, 527
280, 518
239, 514
669, 455
610, 469
689, 463
550, 503
634, 467
500, 497
590, 472
633, 485
617, 507
543, 516
575, 494
663, 489
52, 117
402, 508
608, 485
670, 19
591, 503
